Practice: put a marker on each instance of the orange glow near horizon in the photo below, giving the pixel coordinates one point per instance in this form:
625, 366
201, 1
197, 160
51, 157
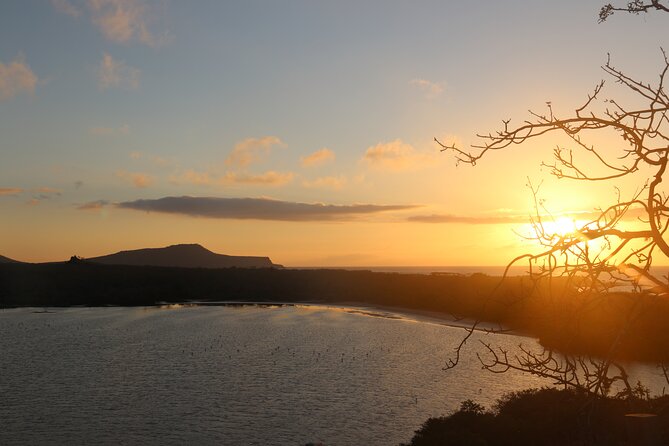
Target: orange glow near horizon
562, 227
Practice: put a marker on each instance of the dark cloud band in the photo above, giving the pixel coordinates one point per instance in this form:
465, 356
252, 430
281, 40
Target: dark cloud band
257, 208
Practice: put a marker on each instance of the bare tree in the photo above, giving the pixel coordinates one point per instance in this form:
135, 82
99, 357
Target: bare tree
615, 248
634, 7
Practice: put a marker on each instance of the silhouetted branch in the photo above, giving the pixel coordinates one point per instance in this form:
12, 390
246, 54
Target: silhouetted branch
633, 7
614, 249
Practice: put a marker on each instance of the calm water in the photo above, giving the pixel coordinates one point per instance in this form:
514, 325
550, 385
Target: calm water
231, 375
466, 270
519, 270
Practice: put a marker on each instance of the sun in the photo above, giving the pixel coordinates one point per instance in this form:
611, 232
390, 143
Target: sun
563, 226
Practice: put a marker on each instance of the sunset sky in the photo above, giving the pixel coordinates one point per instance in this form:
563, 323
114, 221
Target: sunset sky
300, 130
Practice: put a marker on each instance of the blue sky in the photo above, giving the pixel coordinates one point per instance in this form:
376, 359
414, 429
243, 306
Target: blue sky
132, 100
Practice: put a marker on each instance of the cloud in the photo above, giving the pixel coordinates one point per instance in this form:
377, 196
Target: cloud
109, 131
47, 192
318, 158
431, 89
93, 205
245, 153
508, 216
396, 156
448, 218
42, 194
38, 194
15, 78
257, 208
78, 184
138, 179
8, 191
115, 73
123, 20
252, 150
120, 21
269, 178
65, 7
335, 183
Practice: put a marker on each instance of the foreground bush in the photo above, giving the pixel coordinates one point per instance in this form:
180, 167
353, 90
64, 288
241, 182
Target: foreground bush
551, 417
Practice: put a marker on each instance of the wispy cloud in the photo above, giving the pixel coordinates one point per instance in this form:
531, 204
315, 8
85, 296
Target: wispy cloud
252, 150
431, 89
38, 194
47, 191
334, 183
258, 208
66, 7
138, 179
397, 156
244, 154
15, 78
115, 73
41, 194
8, 191
120, 21
109, 131
509, 216
123, 20
93, 205
479, 220
318, 158
269, 178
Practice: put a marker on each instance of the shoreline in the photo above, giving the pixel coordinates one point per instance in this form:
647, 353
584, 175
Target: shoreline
353, 307
365, 309
434, 317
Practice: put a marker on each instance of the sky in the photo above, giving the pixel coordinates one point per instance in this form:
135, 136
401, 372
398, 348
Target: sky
299, 130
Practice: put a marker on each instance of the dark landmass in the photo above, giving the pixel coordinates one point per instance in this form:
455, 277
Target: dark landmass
553, 417
569, 323
182, 256
4, 259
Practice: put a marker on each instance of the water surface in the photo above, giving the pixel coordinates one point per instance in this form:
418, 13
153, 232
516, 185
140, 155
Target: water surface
231, 375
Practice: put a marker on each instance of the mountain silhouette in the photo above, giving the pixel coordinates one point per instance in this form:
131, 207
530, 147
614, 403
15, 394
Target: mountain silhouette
4, 259
182, 256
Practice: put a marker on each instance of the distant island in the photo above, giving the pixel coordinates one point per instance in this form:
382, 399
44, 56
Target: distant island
182, 256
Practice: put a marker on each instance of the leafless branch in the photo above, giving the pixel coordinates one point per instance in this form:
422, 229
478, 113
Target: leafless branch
614, 249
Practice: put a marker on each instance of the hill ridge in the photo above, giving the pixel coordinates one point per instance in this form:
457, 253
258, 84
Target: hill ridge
186, 255
4, 259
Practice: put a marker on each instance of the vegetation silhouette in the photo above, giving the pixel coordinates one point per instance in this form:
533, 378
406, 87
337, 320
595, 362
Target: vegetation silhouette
604, 264
606, 293
553, 417
633, 7
476, 297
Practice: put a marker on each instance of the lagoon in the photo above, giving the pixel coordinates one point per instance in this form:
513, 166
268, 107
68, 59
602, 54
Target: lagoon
235, 375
